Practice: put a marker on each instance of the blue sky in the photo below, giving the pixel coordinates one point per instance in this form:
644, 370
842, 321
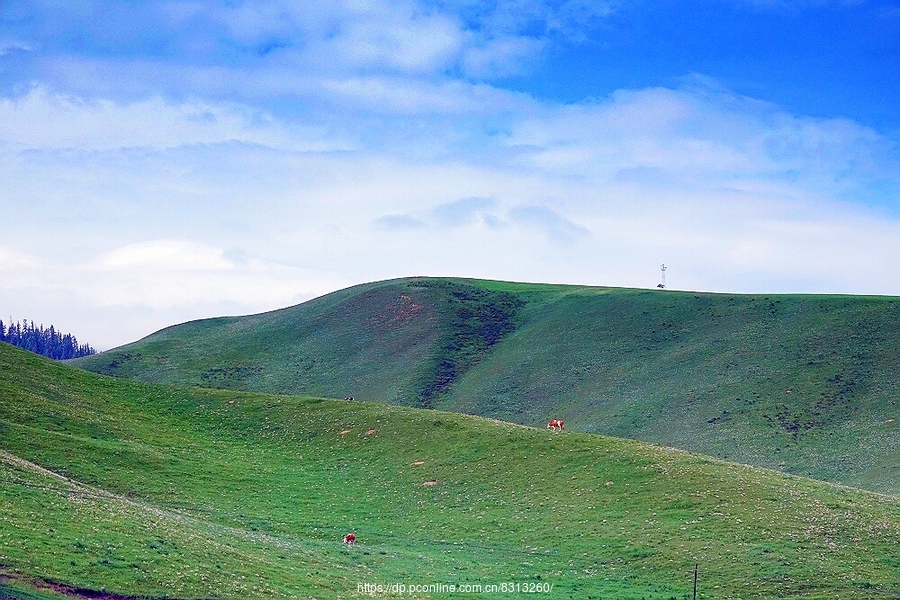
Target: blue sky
163, 161
825, 59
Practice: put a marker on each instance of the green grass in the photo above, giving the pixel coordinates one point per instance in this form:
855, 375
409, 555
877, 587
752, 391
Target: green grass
157, 491
805, 384
11, 589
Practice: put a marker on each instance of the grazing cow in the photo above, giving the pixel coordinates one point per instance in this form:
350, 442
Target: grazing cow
556, 425
350, 539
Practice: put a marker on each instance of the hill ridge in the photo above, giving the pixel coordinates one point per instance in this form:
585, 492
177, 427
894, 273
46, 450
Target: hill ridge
799, 383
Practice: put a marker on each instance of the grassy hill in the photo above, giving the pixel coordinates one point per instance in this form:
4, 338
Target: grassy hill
804, 384
149, 490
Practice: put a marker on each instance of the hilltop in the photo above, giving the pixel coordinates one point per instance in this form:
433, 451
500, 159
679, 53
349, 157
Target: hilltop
152, 490
807, 384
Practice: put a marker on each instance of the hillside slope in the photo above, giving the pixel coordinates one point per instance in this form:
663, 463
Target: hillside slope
805, 384
149, 490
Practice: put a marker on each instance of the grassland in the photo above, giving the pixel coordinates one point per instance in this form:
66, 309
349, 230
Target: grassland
799, 383
150, 490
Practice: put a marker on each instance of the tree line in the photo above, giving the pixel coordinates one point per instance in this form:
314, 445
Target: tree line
46, 342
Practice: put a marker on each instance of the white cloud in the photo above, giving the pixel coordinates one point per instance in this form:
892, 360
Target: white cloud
462, 212
386, 36
272, 48
162, 274
398, 222
197, 278
704, 138
502, 57
333, 95
416, 96
405, 36
573, 19
252, 22
163, 255
413, 43
554, 225
40, 119
11, 260
153, 284
8, 46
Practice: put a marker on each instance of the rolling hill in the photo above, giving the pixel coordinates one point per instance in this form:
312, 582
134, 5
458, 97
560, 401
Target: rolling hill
118, 489
807, 384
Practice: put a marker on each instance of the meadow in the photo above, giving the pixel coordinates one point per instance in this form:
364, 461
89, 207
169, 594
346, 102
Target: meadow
158, 491
805, 384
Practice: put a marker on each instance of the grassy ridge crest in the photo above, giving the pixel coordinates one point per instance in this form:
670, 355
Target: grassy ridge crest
806, 384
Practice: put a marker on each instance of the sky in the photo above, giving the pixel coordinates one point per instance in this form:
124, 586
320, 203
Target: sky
173, 160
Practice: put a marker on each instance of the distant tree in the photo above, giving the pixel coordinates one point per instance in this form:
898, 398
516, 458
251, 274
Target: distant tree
46, 342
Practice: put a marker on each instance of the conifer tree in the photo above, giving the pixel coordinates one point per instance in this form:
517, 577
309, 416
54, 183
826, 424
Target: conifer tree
46, 342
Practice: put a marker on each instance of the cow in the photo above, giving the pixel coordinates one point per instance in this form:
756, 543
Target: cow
350, 539
556, 425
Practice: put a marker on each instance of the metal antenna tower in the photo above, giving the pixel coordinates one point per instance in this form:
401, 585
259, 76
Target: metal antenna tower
662, 269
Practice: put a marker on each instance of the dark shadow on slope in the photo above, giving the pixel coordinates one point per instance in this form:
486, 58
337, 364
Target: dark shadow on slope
20, 588
473, 320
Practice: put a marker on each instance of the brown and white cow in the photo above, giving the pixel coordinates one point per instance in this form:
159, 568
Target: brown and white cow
350, 539
556, 425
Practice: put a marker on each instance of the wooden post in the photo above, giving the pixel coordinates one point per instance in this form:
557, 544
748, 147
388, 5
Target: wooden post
696, 565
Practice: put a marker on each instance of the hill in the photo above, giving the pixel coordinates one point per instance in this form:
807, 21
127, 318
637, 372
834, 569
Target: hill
150, 490
807, 384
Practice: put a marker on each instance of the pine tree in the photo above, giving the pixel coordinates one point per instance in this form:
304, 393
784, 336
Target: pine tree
46, 342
